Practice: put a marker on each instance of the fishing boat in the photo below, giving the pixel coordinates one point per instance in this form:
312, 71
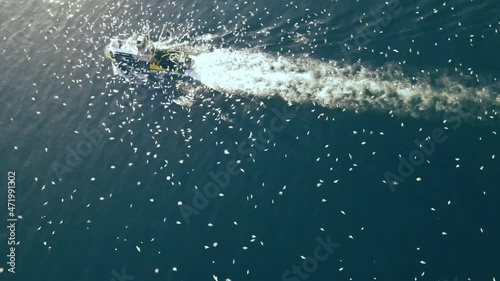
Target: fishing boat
139, 54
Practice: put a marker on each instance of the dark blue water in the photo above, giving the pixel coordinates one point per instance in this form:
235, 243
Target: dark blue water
316, 170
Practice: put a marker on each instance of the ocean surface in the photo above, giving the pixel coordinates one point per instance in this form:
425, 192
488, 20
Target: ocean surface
326, 140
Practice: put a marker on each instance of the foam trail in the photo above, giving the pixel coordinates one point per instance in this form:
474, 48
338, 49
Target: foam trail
247, 72
193, 74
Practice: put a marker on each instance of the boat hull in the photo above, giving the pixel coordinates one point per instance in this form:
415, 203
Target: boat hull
138, 55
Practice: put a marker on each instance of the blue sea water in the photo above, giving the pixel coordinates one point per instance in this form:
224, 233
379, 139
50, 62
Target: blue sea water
314, 103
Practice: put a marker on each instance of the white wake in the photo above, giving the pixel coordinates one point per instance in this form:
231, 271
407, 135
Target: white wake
247, 72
